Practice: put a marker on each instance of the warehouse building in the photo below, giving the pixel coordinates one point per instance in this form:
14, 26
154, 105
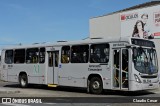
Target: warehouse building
121, 23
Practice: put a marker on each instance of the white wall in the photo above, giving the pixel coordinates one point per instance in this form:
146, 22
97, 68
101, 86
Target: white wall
105, 26
114, 25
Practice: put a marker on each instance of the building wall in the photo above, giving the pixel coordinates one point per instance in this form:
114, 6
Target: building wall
122, 23
105, 26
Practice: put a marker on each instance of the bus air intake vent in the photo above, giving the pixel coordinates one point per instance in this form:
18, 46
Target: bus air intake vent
150, 76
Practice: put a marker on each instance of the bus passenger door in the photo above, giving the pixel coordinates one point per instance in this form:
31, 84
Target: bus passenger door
55, 66
53, 61
120, 68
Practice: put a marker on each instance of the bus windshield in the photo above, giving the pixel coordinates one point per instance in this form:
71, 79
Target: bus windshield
145, 60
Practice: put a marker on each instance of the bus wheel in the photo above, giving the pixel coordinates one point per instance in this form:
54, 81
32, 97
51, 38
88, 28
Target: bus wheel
23, 80
95, 85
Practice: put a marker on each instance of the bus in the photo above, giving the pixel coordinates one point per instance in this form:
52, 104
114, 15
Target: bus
124, 63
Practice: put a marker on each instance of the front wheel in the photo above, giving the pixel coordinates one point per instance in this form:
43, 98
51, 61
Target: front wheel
95, 85
23, 81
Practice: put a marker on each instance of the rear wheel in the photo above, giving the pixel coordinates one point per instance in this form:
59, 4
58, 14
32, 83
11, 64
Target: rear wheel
95, 85
23, 80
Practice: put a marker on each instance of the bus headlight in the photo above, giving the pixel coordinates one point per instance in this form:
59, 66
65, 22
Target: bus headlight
137, 78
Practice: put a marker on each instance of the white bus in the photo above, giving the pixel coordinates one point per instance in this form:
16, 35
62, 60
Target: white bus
124, 63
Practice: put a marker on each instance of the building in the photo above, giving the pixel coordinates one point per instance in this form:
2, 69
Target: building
123, 23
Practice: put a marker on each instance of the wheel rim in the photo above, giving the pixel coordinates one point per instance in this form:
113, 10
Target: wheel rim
96, 85
23, 81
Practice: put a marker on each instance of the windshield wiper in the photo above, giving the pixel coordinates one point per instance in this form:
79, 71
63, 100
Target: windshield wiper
144, 53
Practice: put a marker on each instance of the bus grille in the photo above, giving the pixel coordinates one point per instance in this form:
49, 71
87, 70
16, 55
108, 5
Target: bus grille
149, 76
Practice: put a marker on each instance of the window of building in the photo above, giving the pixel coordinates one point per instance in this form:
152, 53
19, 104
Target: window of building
99, 53
32, 55
42, 55
65, 55
80, 54
9, 56
19, 56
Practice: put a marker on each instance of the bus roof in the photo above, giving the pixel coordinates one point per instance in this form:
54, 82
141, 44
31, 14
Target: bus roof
61, 43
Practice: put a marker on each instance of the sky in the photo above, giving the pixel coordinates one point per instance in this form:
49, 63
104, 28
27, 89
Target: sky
38, 21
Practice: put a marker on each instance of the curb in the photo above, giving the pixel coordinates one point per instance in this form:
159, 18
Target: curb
8, 91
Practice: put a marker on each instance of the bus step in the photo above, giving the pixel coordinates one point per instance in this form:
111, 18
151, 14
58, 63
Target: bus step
52, 85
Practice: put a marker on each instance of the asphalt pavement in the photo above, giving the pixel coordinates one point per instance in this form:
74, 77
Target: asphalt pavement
67, 96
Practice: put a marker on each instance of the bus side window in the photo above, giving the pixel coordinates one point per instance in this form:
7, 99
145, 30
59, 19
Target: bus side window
125, 60
50, 59
42, 55
9, 56
94, 57
56, 59
116, 58
32, 55
19, 56
65, 54
80, 54
99, 53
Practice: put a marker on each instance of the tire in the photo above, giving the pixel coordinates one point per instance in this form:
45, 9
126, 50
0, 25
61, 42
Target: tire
23, 81
95, 85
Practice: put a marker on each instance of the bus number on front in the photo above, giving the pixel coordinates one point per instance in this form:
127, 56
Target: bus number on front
118, 44
146, 81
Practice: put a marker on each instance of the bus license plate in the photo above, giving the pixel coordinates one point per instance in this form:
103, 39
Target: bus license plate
146, 81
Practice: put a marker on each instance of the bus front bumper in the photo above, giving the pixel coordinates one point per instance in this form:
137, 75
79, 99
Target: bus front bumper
135, 86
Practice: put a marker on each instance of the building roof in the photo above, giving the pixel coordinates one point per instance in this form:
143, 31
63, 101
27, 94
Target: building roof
147, 4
